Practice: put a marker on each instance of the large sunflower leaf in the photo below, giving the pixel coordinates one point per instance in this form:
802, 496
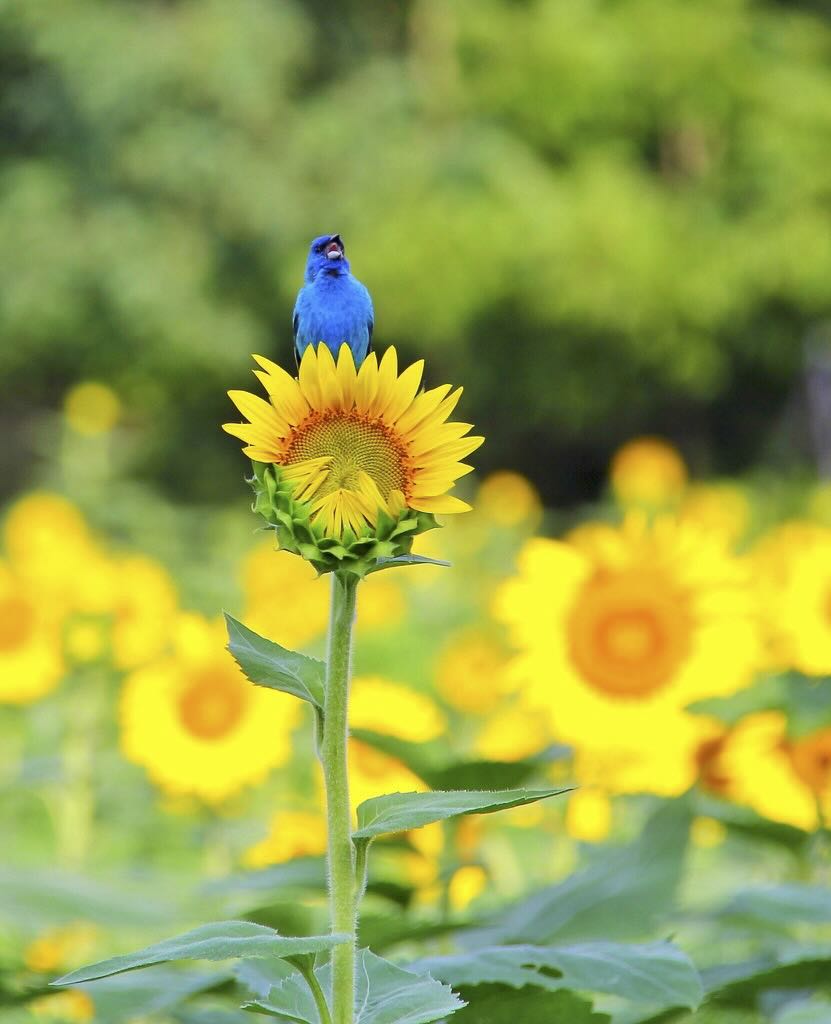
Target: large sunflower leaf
797, 966
399, 812
782, 905
268, 664
221, 940
656, 974
499, 1004
624, 893
384, 994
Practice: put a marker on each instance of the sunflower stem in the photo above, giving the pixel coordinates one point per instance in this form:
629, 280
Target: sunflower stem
342, 888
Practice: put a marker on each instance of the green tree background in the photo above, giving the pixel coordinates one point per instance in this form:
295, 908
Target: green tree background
602, 216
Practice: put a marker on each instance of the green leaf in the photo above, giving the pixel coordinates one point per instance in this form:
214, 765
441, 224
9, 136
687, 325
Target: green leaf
812, 1011
128, 997
497, 1004
391, 563
268, 664
765, 694
423, 759
385, 994
624, 893
746, 822
300, 873
398, 812
657, 974
793, 967
221, 940
783, 905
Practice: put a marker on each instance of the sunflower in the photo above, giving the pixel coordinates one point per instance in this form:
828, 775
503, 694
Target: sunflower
291, 834
783, 778
470, 671
793, 572
621, 628
352, 445
197, 725
390, 708
30, 658
648, 471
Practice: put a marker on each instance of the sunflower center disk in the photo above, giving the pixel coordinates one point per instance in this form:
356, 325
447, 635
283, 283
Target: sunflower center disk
211, 705
354, 444
16, 623
629, 635
811, 759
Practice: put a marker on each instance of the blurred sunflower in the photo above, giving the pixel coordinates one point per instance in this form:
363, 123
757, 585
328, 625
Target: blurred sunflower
618, 631
513, 732
721, 507
647, 471
792, 565
50, 545
30, 652
196, 724
61, 947
353, 443
283, 597
381, 706
783, 778
70, 1006
471, 671
508, 499
291, 834
144, 609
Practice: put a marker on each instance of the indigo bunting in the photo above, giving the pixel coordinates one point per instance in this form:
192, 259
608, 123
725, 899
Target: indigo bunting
332, 307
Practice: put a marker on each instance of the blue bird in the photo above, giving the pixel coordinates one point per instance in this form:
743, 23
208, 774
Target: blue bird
332, 307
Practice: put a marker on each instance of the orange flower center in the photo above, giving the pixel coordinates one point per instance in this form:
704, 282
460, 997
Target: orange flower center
212, 704
629, 632
711, 771
353, 443
17, 619
811, 759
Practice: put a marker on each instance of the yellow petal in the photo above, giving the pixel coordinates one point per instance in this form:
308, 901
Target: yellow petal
347, 376
404, 392
257, 410
366, 387
327, 379
309, 383
387, 376
423, 405
435, 437
441, 504
260, 454
283, 390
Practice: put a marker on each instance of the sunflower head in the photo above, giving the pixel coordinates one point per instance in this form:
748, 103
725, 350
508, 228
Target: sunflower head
349, 465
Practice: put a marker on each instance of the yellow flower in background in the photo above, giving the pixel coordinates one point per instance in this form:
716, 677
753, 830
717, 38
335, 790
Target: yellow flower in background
721, 507
353, 443
197, 725
144, 608
793, 572
69, 1005
621, 630
648, 471
58, 948
291, 834
284, 599
91, 408
467, 884
30, 656
50, 545
589, 815
512, 733
509, 499
471, 671
381, 706
373, 773
780, 778
381, 604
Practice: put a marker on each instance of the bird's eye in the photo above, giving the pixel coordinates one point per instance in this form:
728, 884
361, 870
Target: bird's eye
319, 248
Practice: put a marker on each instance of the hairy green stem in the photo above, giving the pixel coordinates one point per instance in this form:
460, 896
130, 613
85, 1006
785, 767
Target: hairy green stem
342, 894
317, 995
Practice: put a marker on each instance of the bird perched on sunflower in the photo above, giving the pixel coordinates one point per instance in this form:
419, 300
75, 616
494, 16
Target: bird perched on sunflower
332, 307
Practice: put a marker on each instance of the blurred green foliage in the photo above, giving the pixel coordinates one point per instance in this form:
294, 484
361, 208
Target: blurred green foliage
600, 215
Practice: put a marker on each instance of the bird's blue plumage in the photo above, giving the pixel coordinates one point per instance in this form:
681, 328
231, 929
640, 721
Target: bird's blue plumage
332, 307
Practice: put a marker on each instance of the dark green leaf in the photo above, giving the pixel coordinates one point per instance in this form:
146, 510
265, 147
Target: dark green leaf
385, 994
810, 1011
622, 894
746, 822
220, 940
398, 812
496, 1004
797, 966
656, 974
268, 664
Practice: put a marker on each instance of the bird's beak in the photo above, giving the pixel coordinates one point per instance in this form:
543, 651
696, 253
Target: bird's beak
334, 248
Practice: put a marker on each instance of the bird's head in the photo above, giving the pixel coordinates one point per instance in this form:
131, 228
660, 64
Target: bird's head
327, 256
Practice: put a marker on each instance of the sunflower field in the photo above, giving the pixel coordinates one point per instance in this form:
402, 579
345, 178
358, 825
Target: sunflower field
505, 700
